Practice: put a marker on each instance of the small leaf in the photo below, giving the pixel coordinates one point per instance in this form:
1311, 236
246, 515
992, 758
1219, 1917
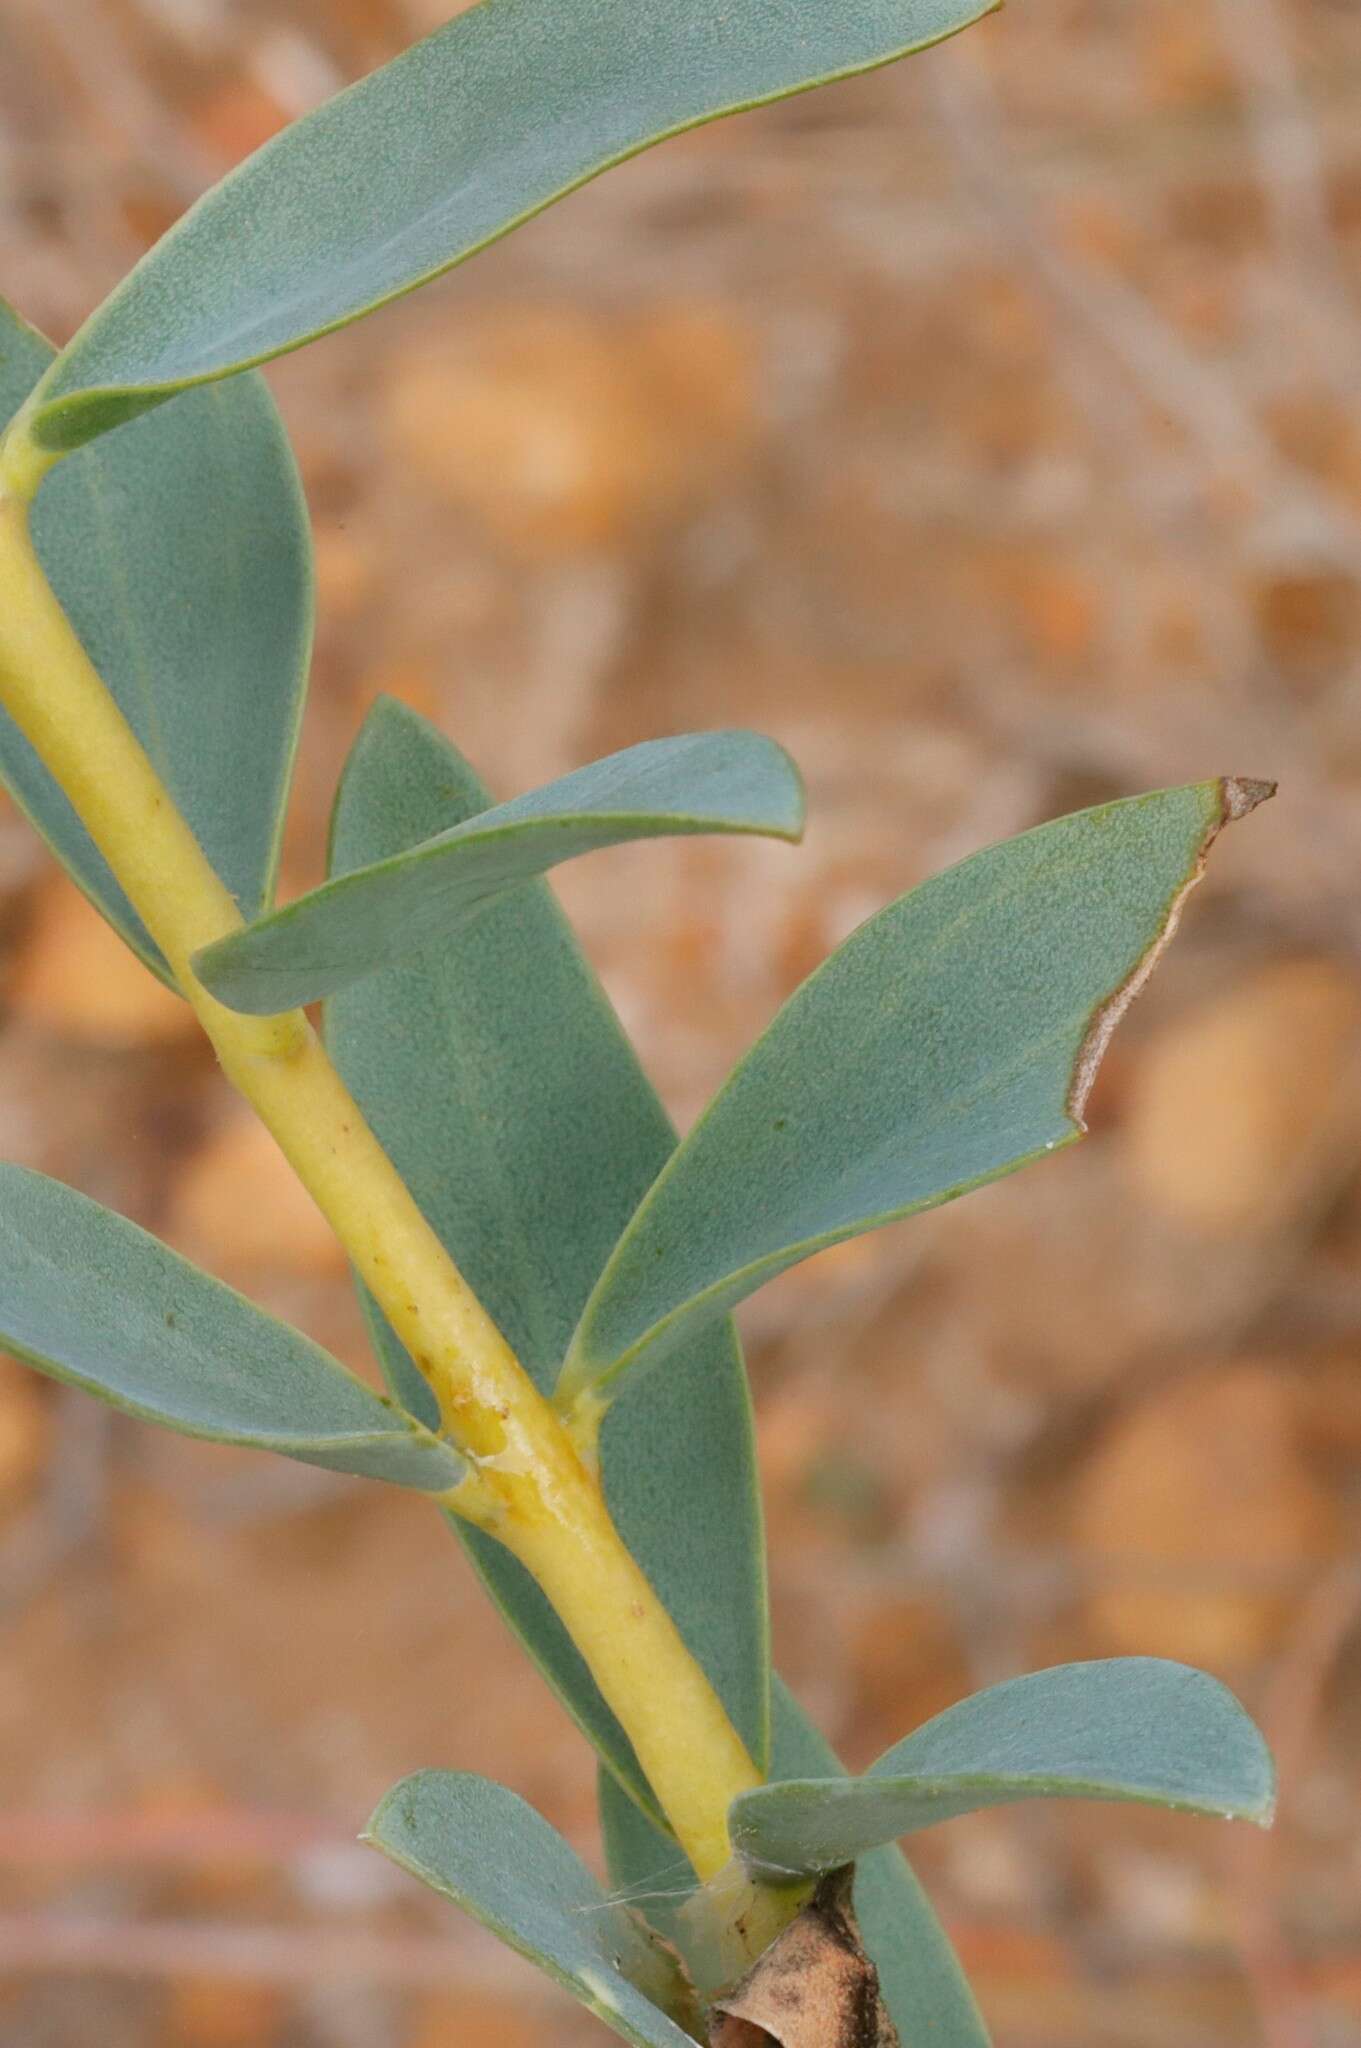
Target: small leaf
88, 1297
508, 107
481, 1846
182, 556
381, 914
951, 1039
1128, 1728
919, 1974
497, 1077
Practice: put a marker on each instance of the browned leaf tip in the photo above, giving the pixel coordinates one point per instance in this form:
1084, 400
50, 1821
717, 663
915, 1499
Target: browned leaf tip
1243, 793
814, 1987
1238, 796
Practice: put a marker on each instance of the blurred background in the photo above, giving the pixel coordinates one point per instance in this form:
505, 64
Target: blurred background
988, 430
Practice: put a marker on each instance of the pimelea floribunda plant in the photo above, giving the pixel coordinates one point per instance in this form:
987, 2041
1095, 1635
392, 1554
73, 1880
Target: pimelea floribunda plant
548, 1273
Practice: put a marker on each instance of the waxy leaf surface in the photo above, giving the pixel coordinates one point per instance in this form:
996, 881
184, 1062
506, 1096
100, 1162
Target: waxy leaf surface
182, 556
383, 913
498, 1078
505, 109
481, 1846
920, 1976
89, 1298
1127, 1728
950, 1040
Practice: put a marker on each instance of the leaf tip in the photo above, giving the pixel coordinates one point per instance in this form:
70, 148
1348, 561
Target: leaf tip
1260, 1812
395, 1813
1241, 794
1238, 796
798, 798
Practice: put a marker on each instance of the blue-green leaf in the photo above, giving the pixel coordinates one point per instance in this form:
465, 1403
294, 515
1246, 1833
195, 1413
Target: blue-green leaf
497, 1077
182, 556
1128, 1728
922, 1983
507, 108
89, 1298
481, 1846
951, 1039
381, 914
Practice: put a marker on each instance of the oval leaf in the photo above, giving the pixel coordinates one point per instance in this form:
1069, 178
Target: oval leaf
1128, 1728
919, 1974
182, 556
382, 913
497, 1076
463, 137
89, 1298
481, 1846
952, 1039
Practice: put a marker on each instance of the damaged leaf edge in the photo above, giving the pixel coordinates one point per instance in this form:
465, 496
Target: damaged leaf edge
585, 1376
1238, 797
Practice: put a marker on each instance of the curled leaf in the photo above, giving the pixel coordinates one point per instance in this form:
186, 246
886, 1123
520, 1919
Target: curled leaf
386, 911
815, 1986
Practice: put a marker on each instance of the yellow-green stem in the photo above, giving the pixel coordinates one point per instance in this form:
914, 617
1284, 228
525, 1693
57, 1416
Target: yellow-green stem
527, 1483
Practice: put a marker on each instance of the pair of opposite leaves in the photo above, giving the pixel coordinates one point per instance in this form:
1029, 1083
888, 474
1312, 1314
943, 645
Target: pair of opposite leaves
1133, 1729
